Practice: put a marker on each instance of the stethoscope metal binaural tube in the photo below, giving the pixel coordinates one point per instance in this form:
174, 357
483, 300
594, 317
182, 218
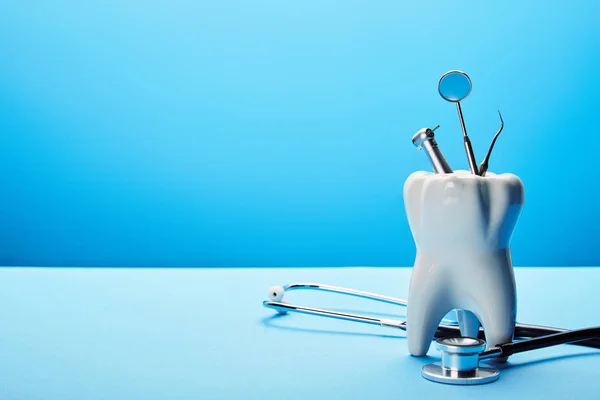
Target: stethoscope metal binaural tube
284, 308
460, 355
346, 291
445, 329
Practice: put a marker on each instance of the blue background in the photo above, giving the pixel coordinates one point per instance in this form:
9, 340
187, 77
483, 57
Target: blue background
277, 133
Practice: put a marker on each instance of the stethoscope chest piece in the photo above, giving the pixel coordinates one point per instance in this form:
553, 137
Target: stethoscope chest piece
460, 363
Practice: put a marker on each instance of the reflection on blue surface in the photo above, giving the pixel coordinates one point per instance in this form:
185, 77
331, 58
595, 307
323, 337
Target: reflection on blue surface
266, 133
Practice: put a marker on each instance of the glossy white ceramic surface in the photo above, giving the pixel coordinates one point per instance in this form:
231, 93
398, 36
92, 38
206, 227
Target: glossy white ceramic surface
462, 225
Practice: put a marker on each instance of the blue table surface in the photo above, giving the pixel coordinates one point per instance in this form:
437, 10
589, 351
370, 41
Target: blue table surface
204, 334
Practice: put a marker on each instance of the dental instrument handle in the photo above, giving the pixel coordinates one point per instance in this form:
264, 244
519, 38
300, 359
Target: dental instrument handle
437, 160
508, 349
425, 139
470, 156
467, 142
483, 168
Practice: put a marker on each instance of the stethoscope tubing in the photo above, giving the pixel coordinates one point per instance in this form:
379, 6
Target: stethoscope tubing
522, 331
345, 291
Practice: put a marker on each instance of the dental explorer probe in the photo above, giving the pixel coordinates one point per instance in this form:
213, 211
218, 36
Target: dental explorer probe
425, 138
484, 165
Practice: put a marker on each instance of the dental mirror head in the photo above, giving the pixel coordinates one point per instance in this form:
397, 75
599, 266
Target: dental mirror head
460, 363
454, 86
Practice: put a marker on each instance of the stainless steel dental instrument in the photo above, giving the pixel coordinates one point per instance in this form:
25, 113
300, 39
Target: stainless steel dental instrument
425, 139
460, 356
454, 86
484, 165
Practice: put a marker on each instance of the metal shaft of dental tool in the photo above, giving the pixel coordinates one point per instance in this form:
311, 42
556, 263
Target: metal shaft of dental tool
467, 142
425, 139
484, 165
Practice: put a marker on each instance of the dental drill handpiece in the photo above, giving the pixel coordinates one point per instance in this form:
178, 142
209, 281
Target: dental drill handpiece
425, 139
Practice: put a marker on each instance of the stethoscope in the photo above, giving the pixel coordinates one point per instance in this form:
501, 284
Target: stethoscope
460, 356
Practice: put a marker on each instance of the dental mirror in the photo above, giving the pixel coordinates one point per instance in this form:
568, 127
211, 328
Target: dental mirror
455, 86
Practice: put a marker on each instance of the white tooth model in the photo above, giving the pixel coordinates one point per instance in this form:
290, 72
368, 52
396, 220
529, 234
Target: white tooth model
462, 225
